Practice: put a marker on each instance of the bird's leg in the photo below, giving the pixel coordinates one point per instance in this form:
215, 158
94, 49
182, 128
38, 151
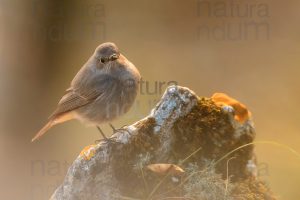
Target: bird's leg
113, 128
119, 129
103, 136
101, 132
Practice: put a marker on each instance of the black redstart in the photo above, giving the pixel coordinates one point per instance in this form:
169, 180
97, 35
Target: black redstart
103, 89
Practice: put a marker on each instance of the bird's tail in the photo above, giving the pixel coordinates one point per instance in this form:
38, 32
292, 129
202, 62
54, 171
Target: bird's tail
43, 130
53, 121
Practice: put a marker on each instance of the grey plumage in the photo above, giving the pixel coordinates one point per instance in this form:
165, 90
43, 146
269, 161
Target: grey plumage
103, 89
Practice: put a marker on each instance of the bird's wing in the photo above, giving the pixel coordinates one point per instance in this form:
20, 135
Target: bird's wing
75, 98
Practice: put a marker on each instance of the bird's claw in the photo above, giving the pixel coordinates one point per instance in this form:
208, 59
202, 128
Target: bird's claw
119, 129
106, 140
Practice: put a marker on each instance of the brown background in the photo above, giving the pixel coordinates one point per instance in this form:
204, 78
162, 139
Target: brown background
44, 43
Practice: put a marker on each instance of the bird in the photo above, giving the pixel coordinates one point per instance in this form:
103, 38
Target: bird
104, 89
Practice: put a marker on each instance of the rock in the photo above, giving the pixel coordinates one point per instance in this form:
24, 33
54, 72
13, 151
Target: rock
192, 133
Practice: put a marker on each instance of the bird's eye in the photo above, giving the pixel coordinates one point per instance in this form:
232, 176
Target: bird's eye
102, 60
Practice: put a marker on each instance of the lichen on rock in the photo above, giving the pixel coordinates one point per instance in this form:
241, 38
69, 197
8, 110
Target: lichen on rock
185, 132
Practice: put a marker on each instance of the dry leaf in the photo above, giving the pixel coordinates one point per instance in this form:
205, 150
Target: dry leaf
163, 169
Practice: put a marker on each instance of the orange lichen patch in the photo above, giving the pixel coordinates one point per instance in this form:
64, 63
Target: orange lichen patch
163, 169
241, 112
88, 152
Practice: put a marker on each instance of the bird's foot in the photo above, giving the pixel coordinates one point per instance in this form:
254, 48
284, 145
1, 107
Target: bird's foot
108, 140
104, 138
119, 129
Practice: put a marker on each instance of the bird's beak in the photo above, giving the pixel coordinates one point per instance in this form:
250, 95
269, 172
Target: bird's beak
113, 57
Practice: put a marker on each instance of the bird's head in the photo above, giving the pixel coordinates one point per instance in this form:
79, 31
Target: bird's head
107, 52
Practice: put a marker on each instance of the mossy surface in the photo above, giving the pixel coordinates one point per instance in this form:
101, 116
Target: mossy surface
209, 127
252, 189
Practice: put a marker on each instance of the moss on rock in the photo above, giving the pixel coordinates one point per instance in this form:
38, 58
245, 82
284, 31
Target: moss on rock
208, 126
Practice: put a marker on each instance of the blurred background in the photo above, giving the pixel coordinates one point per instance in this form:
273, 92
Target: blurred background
248, 49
